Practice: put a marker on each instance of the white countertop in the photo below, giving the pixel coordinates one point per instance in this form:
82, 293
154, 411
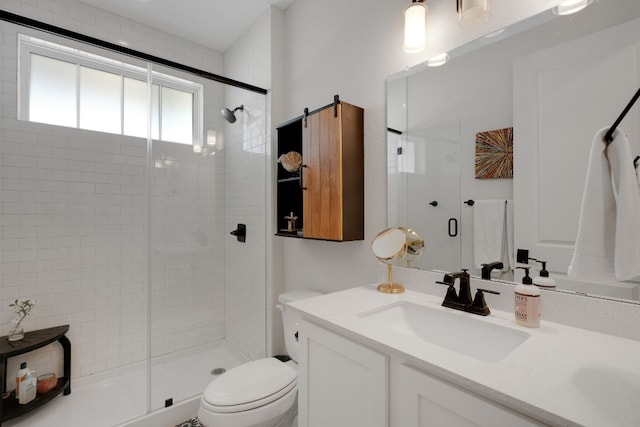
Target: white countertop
560, 375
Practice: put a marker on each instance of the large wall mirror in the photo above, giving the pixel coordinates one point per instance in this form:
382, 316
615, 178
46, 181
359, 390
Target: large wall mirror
556, 80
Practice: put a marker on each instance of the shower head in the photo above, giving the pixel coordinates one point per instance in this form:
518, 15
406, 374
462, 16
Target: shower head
230, 115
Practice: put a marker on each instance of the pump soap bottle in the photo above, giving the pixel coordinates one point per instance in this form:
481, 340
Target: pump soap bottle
543, 280
527, 302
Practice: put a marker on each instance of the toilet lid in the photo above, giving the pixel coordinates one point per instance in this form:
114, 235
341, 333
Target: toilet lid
250, 385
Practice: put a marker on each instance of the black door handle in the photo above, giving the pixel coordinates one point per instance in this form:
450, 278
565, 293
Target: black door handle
453, 233
434, 203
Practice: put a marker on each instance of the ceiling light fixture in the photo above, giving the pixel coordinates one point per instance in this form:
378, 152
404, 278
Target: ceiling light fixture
438, 60
472, 12
415, 27
571, 6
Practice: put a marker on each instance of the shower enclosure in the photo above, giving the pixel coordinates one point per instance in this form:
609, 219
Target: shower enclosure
207, 289
126, 237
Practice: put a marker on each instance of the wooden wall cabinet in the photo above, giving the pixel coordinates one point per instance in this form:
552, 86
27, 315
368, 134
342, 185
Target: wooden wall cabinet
327, 193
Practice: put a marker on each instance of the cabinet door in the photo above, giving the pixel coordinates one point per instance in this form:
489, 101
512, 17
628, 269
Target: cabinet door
421, 400
322, 198
340, 383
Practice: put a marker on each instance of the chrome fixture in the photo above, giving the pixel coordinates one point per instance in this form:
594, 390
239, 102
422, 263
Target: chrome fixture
462, 300
230, 115
415, 27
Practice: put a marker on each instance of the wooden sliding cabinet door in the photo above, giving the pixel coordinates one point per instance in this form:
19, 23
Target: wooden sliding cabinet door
333, 173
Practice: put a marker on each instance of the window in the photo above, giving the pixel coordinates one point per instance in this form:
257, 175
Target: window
64, 86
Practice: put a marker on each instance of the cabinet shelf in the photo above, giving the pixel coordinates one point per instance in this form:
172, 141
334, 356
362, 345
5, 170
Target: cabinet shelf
292, 179
287, 234
33, 340
12, 409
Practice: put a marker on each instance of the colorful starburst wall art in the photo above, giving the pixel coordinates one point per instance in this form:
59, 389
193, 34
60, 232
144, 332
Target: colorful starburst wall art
494, 154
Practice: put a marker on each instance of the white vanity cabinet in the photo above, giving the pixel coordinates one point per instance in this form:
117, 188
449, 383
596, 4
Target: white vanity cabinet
340, 383
419, 399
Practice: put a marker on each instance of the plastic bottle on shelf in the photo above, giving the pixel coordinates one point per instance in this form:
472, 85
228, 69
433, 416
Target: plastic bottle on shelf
28, 388
21, 376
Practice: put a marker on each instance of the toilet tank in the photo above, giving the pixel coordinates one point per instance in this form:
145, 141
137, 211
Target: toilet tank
291, 319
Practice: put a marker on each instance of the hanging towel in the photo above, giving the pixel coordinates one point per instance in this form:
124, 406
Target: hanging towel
509, 237
489, 231
608, 243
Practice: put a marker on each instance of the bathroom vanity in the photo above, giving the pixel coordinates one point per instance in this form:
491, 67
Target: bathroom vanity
403, 360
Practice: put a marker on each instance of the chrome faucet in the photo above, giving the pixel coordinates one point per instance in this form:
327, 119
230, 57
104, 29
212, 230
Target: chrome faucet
462, 300
487, 268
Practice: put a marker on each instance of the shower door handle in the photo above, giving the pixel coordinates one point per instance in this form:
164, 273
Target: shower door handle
452, 232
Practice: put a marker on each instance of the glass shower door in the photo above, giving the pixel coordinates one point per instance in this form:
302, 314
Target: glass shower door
198, 323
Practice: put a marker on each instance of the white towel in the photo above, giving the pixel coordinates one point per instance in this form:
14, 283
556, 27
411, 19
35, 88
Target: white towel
608, 243
489, 232
510, 255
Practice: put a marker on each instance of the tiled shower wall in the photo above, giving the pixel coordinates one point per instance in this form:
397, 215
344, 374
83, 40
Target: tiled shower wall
74, 218
247, 159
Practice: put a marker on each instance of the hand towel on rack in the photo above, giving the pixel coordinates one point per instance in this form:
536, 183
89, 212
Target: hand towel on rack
509, 237
489, 223
608, 241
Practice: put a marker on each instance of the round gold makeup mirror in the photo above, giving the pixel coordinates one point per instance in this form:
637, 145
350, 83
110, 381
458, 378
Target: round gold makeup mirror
396, 246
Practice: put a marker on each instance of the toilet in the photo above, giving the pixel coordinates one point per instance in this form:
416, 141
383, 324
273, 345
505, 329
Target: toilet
261, 393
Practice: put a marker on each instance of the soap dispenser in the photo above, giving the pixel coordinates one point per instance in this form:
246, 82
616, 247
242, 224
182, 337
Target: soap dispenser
527, 302
543, 280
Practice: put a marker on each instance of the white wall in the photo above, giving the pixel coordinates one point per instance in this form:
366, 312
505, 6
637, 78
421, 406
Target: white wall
350, 48
338, 47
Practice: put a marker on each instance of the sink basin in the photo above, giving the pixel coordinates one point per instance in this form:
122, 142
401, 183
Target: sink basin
452, 330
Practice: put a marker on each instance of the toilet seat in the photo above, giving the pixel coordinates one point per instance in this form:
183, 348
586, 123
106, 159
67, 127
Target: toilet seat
268, 379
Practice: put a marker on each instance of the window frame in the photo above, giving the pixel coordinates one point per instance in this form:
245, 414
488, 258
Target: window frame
28, 45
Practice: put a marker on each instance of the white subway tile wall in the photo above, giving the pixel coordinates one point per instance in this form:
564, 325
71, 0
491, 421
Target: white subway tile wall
245, 163
247, 159
74, 217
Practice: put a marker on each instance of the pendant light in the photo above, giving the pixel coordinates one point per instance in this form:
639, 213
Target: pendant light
415, 27
472, 12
